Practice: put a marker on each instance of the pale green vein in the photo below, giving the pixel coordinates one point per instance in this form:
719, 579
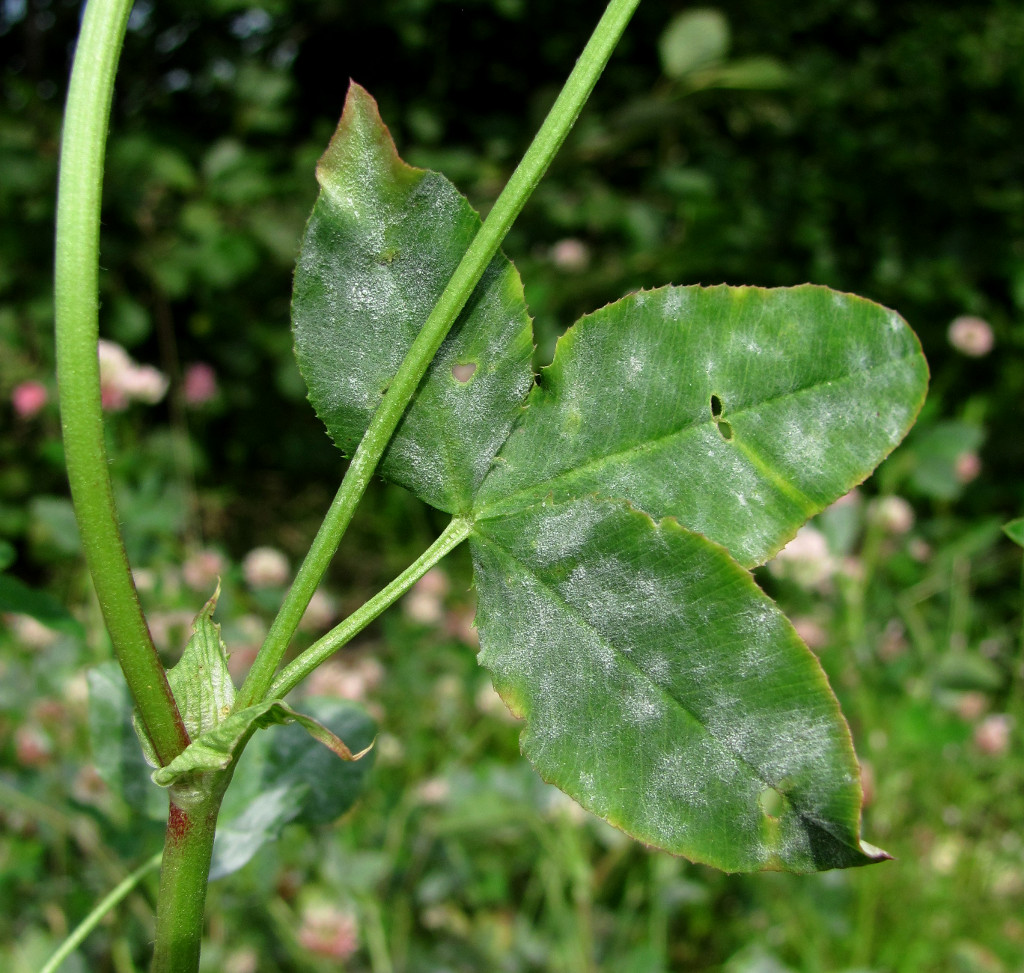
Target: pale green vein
789, 490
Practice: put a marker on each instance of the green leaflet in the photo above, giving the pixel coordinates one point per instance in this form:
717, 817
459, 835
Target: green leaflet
812, 389
663, 690
660, 687
379, 248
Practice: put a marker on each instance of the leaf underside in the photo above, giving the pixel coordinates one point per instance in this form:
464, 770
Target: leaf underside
679, 437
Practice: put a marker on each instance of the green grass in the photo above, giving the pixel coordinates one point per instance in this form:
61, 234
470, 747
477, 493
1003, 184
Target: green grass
460, 858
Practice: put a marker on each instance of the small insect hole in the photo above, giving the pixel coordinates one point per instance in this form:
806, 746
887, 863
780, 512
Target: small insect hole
771, 802
716, 407
725, 430
463, 373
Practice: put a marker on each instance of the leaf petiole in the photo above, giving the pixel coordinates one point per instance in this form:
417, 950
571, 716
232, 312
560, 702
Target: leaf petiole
454, 534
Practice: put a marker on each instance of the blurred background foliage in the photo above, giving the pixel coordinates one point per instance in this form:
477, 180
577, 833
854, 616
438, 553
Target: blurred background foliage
866, 145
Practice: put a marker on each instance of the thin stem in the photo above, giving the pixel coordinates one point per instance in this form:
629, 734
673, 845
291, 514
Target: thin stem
93, 919
393, 404
76, 296
321, 650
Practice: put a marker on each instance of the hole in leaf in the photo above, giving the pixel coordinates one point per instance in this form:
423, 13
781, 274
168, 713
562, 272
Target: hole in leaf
771, 802
463, 373
725, 430
716, 407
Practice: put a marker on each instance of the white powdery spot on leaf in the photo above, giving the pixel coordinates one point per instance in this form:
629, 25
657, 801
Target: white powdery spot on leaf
565, 533
659, 668
642, 705
803, 742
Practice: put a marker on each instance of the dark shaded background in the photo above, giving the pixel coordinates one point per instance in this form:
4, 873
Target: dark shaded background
889, 166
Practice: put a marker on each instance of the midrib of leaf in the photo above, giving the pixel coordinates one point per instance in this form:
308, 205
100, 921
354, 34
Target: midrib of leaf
787, 489
755, 771
503, 505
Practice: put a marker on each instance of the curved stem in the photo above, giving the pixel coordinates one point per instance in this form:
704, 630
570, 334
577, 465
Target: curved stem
76, 296
485, 244
93, 919
292, 674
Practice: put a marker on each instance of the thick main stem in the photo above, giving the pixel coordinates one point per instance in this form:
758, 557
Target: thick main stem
76, 296
520, 186
184, 877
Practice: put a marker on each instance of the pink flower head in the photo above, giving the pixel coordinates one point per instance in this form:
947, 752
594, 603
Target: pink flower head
202, 569
144, 383
992, 734
123, 381
115, 362
967, 467
571, 255
265, 567
893, 514
200, 383
971, 336
28, 398
327, 931
805, 560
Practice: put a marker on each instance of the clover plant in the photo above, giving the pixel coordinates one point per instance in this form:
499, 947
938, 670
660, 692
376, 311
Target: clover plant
614, 506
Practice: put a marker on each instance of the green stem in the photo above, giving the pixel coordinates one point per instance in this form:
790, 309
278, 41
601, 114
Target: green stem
292, 674
93, 919
76, 296
184, 876
485, 244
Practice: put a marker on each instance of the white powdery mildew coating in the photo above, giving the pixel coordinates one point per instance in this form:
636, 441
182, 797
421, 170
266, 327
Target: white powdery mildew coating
407, 453
759, 628
642, 704
726, 496
803, 744
685, 774
659, 667
615, 596
564, 534
512, 651
794, 744
675, 301
858, 359
803, 445
591, 795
